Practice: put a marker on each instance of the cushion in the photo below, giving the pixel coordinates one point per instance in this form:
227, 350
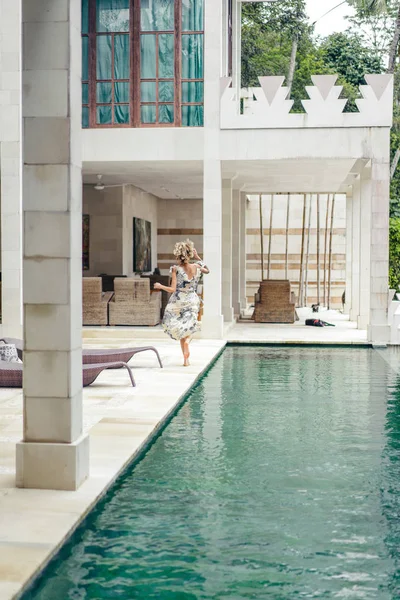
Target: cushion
8, 353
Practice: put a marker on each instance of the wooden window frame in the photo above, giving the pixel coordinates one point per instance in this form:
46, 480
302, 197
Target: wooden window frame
230, 38
135, 80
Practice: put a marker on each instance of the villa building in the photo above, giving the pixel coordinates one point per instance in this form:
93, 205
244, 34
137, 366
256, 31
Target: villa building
150, 121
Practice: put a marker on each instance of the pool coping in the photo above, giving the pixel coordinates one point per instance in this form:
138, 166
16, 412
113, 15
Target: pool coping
137, 455
96, 495
294, 343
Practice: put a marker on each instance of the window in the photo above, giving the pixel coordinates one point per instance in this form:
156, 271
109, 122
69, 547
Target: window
142, 63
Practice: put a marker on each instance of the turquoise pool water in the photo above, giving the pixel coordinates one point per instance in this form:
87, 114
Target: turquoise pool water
278, 479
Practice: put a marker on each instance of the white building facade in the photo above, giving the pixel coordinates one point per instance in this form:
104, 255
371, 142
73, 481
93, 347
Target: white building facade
146, 93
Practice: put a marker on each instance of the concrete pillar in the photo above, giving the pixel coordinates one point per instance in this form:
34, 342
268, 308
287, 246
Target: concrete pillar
243, 249
237, 47
213, 324
236, 250
378, 329
355, 252
365, 248
213, 321
10, 165
349, 246
227, 306
54, 454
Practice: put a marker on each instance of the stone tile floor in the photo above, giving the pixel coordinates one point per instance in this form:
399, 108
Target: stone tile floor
119, 419
344, 332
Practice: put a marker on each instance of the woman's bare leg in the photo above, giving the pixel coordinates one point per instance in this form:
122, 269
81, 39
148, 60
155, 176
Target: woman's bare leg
182, 341
186, 351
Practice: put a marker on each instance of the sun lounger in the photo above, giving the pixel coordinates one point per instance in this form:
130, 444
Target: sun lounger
96, 356
118, 354
11, 373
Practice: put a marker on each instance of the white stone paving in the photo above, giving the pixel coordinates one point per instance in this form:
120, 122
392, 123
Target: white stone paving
119, 419
344, 332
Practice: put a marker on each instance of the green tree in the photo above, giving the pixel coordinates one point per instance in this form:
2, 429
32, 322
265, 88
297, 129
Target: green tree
394, 253
344, 54
368, 10
287, 19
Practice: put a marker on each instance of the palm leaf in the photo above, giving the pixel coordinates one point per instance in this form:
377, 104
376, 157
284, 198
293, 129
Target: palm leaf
370, 6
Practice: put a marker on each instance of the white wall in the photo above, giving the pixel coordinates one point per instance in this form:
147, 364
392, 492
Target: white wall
278, 244
105, 210
178, 220
142, 205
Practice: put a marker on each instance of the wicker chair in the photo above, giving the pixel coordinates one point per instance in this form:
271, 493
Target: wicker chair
134, 304
95, 302
11, 374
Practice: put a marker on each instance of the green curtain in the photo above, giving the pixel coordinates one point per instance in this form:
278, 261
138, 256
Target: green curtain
166, 56
192, 56
85, 16
192, 68
157, 15
147, 56
193, 116
112, 15
192, 15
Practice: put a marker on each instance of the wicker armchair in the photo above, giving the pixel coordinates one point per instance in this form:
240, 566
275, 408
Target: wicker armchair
134, 304
95, 302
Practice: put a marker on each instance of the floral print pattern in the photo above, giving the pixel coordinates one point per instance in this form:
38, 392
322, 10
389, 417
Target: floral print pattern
180, 316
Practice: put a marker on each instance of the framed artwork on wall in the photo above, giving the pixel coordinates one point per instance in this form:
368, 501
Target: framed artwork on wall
85, 242
141, 245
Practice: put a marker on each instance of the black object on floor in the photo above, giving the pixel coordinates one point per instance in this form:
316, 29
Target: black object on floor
318, 323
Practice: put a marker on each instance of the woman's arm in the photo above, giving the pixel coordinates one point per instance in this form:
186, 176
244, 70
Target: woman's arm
170, 289
203, 268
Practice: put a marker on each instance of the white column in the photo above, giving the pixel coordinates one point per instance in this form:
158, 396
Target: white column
236, 250
10, 165
237, 46
355, 253
349, 246
213, 321
212, 325
227, 308
365, 248
378, 329
243, 239
54, 454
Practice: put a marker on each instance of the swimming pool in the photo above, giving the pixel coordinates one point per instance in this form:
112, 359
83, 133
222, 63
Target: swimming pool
279, 478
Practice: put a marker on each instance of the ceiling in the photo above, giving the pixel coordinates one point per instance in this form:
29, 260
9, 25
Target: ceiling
184, 179
167, 179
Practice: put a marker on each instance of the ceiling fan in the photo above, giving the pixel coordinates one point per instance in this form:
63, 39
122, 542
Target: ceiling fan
100, 186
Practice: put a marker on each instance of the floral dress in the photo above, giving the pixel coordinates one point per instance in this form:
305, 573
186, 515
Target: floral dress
180, 316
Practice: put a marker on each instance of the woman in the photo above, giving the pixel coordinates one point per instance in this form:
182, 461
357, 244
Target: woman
180, 316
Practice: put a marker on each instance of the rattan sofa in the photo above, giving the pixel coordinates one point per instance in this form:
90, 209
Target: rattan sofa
134, 304
94, 302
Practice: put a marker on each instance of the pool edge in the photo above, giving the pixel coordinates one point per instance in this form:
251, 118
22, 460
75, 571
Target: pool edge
134, 459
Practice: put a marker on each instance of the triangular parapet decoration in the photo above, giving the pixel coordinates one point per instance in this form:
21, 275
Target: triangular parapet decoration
324, 83
225, 82
379, 83
268, 106
377, 98
324, 104
270, 86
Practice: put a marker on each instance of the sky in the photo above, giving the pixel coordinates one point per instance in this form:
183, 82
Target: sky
334, 21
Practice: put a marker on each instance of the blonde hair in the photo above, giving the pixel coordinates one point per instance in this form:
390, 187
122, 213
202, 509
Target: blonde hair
183, 251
